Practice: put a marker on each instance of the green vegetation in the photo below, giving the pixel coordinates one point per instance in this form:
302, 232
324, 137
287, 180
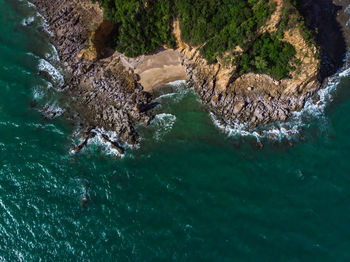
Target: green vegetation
217, 27
142, 26
291, 18
221, 25
270, 56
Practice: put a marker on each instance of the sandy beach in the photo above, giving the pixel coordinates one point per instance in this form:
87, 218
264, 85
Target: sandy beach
161, 68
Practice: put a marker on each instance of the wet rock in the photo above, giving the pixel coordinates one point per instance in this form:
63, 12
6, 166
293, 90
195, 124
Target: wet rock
79, 147
114, 144
104, 93
50, 112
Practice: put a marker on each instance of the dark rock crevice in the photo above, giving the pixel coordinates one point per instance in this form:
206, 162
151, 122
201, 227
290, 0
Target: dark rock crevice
322, 18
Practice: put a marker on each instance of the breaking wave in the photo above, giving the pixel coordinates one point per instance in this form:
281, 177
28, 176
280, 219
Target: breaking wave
99, 141
57, 77
313, 109
52, 56
51, 111
178, 90
163, 124
28, 21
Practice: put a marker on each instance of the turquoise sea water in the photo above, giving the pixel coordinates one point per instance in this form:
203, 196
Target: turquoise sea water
189, 193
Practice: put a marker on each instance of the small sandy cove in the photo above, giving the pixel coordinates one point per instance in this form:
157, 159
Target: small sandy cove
158, 69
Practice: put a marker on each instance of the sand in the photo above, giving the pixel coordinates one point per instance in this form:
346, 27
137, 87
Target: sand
159, 69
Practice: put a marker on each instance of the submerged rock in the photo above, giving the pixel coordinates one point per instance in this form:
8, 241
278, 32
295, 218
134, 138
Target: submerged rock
114, 144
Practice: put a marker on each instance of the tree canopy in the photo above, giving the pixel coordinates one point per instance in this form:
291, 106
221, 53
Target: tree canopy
268, 55
215, 26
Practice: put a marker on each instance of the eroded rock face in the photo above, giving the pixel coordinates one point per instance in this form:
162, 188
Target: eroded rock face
254, 99
97, 42
330, 19
105, 93
110, 97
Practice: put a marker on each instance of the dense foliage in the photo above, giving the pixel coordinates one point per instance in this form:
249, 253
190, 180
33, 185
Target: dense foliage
221, 25
270, 56
142, 26
216, 26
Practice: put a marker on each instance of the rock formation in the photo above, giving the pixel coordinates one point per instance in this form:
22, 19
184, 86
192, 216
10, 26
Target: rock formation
254, 99
107, 91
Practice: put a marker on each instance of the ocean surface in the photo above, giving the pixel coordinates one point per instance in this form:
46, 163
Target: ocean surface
190, 192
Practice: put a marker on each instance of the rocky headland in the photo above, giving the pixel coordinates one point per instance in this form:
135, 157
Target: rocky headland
106, 94
114, 92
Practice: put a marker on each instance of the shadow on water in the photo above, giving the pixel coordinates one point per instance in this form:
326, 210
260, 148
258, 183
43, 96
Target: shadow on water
321, 16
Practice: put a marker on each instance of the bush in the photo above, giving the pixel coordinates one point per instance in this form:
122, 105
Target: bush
268, 55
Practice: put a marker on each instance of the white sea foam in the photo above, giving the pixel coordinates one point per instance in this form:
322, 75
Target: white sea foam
177, 83
9, 124
347, 23
237, 130
45, 25
278, 131
163, 124
52, 111
293, 126
52, 55
31, 4
179, 92
347, 10
345, 73
325, 93
51, 58
38, 93
108, 148
49, 85
112, 135
166, 96
33, 55
28, 3
98, 139
52, 71
28, 21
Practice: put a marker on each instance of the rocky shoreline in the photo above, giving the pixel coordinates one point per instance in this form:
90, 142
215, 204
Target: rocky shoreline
107, 92
254, 99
